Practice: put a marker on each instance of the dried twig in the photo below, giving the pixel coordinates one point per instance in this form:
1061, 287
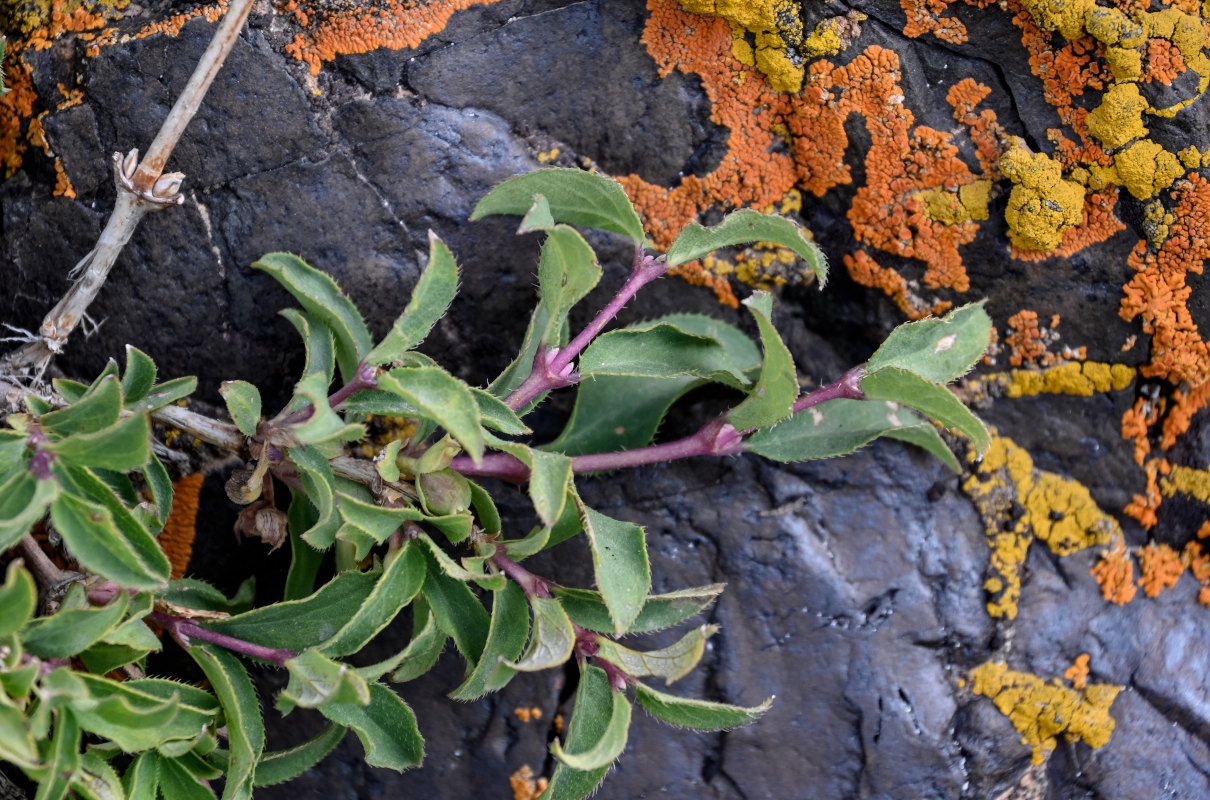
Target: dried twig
142, 187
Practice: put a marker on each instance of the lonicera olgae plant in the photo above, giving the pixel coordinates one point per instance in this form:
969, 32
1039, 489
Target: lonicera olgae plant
410, 527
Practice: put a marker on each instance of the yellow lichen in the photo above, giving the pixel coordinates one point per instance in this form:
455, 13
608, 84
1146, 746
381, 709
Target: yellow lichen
1043, 204
1119, 117
1019, 503
1041, 711
1191, 482
950, 208
1082, 379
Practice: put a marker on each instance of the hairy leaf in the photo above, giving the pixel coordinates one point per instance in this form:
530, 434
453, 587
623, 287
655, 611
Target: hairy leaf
619, 560
139, 376
177, 782
496, 415
18, 599
549, 478
590, 719
743, 227
432, 296
442, 398
505, 638
699, 714
670, 663
70, 631
321, 297
575, 197
587, 609
123, 446
319, 486
834, 428
607, 748
316, 679
550, 642
23, 501
124, 553
284, 765
299, 624
932, 399
772, 399
243, 404
926, 437
386, 727
459, 613
661, 350
938, 350
245, 728
402, 576
164, 393
98, 409
422, 652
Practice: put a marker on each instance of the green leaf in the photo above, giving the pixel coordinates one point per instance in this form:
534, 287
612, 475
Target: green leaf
743, 227
199, 595
926, 437
123, 447
402, 577
160, 487
661, 350
324, 425
127, 555
443, 399
459, 613
590, 718
938, 350
96, 780
430, 299
609, 746
670, 663
245, 728
17, 745
139, 376
567, 272
243, 404
321, 297
574, 197
386, 727
422, 652
316, 679
64, 758
619, 560
505, 638
70, 631
180, 784
698, 714
772, 399
135, 720
164, 393
496, 415
69, 390
320, 350
834, 428
516, 372
550, 642
319, 486
931, 399
587, 609
299, 624
97, 410
549, 478
18, 599
304, 559
23, 501
379, 521
285, 765
142, 777
485, 509
447, 564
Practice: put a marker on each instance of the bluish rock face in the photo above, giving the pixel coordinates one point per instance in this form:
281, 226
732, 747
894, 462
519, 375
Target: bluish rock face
855, 586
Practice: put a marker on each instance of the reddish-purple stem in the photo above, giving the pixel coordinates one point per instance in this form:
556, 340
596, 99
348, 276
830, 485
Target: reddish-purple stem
531, 584
554, 370
364, 378
183, 630
848, 386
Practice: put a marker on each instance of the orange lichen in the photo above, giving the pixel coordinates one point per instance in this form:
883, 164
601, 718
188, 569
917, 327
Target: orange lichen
1161, 567
165, 27
1163, 62
347, 28
524, 785
1114, 573
176, 540
1077, 673
1041, 711
1028, 343
527, 714
1144, 506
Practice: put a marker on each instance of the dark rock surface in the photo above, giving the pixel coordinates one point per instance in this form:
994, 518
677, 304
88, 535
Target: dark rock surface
855, 587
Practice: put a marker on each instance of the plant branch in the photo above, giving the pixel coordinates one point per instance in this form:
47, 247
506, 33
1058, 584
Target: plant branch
220, 434
553, 369
183, 630
364, 378
48, 574
141, 187
847, 386
531, 584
